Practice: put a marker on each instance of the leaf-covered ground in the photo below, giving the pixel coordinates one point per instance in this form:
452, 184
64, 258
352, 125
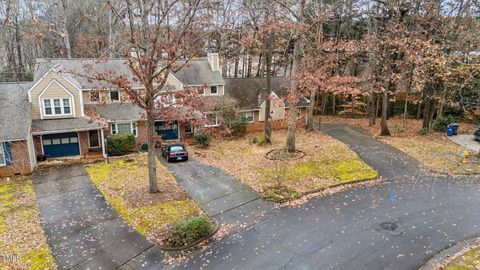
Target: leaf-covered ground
327, 162
22, 240
467, 261
125, 187
433, 150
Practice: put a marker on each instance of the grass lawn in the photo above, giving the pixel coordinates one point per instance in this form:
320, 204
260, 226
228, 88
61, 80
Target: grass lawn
434, 150
125, 187
21, 234
467, 261
327, 162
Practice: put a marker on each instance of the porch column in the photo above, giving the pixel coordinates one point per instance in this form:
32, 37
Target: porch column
103, 143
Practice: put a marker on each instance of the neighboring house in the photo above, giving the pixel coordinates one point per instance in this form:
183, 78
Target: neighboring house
16, 146
247, 92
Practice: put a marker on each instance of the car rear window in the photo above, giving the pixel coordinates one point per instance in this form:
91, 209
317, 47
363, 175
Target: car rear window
176, 148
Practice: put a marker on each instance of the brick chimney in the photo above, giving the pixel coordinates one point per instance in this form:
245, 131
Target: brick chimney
213, 61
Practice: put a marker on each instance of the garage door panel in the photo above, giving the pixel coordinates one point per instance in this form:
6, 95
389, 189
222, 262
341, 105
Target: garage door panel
61, 145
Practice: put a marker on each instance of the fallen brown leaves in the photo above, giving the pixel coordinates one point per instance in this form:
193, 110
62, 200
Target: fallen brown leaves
327, 162
21, 234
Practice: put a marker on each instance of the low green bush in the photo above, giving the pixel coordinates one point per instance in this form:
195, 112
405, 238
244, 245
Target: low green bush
144, 147
399, 128
440, 123
423, 131
120, 144
202, 139
261, 139
189, 230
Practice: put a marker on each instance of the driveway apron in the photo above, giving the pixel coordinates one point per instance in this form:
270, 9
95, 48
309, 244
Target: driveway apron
219, 194
83, 231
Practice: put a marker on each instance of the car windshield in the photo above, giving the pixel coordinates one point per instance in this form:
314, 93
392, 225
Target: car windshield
176, 148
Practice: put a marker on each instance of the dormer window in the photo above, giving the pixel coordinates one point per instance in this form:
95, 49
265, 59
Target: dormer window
57, 106
213, 90
114, 96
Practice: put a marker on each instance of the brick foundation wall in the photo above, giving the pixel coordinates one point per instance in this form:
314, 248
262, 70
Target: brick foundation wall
20, 160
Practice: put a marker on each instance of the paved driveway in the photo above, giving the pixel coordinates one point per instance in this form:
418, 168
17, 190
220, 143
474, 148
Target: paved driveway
83, 231
343, 230
219, 194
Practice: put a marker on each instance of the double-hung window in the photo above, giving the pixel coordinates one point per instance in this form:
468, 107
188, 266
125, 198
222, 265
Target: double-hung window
57, 106
123, 128
248, 116
213, 90
114, 96
212, 119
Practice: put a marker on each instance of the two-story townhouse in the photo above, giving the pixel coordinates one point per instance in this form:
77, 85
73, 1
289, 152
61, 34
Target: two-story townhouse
59, 125
110, 105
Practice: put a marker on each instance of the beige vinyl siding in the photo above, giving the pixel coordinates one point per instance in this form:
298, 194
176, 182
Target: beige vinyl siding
55, 91
173, 82
277, 105
220, 91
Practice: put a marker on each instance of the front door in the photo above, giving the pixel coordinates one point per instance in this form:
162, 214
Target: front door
61, 144
93, 139
168, 130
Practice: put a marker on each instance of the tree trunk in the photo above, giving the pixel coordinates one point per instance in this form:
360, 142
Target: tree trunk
235, 74
249, 66
383, 126
405, 107
371, 112
426, 113
324, 103
297, 48
419, 110
267, 126
152, 158
334, 105
259, 68
311, 106
64, 30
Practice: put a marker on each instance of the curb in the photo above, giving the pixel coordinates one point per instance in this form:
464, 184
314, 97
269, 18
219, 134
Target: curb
448, 252
340, 184
194, 244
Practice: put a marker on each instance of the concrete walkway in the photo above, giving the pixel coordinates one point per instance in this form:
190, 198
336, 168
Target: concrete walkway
466, 141
83, 231
219, 194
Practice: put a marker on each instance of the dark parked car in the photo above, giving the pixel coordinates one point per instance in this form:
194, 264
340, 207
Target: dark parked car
175, 152
477, 134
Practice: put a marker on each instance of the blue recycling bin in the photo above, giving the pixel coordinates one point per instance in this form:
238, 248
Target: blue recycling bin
450, 131
454, 127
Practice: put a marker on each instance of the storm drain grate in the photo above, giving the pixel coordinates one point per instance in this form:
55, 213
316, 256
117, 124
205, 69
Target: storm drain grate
389, 226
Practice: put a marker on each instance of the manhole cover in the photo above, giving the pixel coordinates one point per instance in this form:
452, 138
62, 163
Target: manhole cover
389, 226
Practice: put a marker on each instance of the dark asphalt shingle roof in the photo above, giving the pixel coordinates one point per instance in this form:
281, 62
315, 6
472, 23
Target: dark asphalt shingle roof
247, 91
198, 72
80, 71
14, 111
118, 111
66, 124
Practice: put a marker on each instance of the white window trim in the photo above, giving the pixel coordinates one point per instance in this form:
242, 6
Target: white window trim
216, 94
2, 150
249, 112
110, 96
216, 119
52, 106
132, 125
72, 99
